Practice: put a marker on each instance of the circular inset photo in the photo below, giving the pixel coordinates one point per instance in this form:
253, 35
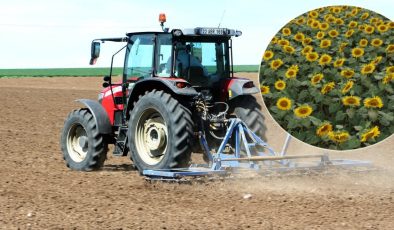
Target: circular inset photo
327, 77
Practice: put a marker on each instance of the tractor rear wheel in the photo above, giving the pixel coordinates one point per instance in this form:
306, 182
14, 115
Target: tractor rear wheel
160, 132
83, 147
248, 110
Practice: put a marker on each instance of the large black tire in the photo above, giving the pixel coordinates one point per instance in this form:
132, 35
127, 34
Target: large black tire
83, 147
248, 110
160, 132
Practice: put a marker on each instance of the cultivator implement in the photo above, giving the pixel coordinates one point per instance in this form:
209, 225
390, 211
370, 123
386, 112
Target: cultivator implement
250, 154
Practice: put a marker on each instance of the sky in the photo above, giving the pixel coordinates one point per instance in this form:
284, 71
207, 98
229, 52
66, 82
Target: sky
57, 33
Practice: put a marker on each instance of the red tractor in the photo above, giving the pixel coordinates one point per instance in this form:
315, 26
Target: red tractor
177, 86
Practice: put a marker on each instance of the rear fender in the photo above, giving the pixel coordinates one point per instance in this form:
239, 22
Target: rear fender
240, 86
168, 85
99, 115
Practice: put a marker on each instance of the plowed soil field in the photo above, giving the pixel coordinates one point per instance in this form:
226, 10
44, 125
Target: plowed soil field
37, 190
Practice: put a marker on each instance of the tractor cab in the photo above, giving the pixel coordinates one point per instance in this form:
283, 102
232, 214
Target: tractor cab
201, 56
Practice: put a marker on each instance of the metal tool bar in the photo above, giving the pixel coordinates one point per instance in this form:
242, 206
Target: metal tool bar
271, 158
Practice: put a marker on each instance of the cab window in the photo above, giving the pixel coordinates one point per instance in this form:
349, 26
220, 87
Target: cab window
139, 60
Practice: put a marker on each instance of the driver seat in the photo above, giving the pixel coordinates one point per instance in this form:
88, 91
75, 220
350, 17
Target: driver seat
195, 75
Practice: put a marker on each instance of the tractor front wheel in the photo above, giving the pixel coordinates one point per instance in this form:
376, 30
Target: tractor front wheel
160, 132
83, 147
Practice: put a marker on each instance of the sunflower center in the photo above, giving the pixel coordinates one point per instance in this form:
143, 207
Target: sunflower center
303, 111
284, 103
373, 103
351, 101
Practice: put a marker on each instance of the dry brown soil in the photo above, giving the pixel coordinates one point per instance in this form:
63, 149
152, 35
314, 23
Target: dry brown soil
37, 191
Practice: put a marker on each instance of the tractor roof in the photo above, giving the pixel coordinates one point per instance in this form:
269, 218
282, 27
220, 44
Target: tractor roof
199, 31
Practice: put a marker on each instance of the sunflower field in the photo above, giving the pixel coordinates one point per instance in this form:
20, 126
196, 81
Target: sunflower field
327, 77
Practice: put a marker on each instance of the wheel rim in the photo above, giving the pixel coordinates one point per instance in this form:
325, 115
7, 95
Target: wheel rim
151, 137
77, 143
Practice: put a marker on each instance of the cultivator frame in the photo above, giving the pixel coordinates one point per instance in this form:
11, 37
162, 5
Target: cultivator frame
246, 155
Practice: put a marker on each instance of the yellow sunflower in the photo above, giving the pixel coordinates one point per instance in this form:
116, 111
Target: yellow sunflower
327, 87
355, 11
303, 111
373, 102
300, 21
339, 62
376, 42
383, 28
326, 16
280, 85
333, 33
335, 10
351, 101
365, 16
264, 89
325, 43
317, 78
274, 40
306, 41
349, 33
324, 26
320, 35
312, 56
357, 52
283, 103
347, 73
268, 55
306, 50
388, 78
283, 42
353, 24
338, 136
369, 29
288, 49
313, 14
368, 69
323, 129
390, 25
374, 20
390, 69
371, 133
299, 37
330, 19
377, 60
315, 24
292, 71
310, 21
339, 21
363, 42
390, 48
275, 64
348, 86
286, 31
325, 59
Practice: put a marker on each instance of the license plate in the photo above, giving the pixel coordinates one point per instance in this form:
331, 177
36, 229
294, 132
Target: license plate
211, 31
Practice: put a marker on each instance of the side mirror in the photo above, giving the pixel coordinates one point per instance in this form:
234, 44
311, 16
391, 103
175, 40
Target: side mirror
95, 52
